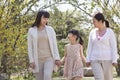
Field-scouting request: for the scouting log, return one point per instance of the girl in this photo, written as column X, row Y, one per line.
column 73, row 56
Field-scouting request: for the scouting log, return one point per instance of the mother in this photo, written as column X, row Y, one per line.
column 102, row 49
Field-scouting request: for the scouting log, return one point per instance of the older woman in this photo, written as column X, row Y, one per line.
column 102, row 49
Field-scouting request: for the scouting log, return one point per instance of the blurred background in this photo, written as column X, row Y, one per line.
column 17, row 16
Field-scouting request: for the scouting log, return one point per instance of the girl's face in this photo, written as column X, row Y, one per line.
column 44, row 21
column 71, row 37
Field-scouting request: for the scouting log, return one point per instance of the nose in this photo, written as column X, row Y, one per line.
column 46, row 19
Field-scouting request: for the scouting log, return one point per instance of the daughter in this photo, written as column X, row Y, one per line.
column 73, row 57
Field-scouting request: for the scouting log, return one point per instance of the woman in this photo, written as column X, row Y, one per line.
column 102, row 49
column 42, row 47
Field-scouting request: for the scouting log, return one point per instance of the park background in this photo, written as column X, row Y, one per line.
column 17, row 16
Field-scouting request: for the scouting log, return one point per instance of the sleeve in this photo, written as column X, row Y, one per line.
column 89, row 48
column 113, row 46
column 55, row 47
column 30, row 46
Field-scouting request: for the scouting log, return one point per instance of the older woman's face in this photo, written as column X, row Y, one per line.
column 95, row 22
column 44, row 21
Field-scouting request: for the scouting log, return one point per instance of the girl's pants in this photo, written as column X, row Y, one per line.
column 46, row 70
column 102, row 70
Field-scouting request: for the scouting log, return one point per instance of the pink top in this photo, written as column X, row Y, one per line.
column 73, row 64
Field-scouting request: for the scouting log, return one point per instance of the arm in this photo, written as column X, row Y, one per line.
column 55, row 46
column 30, row 50
column 113, row 45
column 89, row 50
column 65, row 53
column 30, row 46
column 81, row 54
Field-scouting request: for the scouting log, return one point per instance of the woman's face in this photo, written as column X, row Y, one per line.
column 96, row 22
column 44, row 21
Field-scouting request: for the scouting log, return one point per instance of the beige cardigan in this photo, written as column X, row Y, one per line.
column 32, row 45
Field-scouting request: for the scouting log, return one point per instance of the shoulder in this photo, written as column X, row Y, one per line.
column 93, row 31
column 51, row 30
column 67, row 45
column 80, row 46
column 109, row 29
column 31, row 29
column 49, row 27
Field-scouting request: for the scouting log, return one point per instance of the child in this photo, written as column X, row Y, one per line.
column 73, row 56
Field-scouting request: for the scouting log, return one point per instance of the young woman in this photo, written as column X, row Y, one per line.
column 102, row 49
column 73, row 57
column 42, row 47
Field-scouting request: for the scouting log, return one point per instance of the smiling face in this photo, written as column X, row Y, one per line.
column 44, row 21
column 71, row 37
column 98, row 20
column 95, row 22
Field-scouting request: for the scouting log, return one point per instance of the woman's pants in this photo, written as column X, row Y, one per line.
column 45, row 70
column 102, row 70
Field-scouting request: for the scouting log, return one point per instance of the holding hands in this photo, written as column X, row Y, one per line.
column 88, row 64
column 58, row 63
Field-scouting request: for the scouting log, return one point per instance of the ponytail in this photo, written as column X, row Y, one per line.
column 107, row 24
column 80, row 40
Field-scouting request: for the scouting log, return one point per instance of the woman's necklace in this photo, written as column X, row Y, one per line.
column 100, row 33
column 41, row 28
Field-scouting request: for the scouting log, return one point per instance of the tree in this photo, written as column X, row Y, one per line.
column 14, row 21
column 15, row 18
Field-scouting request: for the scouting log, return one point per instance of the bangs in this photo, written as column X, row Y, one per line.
column 46, row 14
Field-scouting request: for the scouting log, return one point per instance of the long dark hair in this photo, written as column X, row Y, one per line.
column 76, row 32
column 38, row 17
column 100, row 17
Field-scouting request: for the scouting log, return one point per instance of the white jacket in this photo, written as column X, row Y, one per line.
column 32, row 45
column 103, row 49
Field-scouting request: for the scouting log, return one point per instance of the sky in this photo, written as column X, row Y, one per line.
column 65, row 7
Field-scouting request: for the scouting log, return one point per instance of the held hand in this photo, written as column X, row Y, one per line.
column 57, row 62
column 88, row 64
column 61, row 62
column 32, row 65
column 114, row 64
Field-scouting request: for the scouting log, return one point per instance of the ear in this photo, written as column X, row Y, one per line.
column 100, row 21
